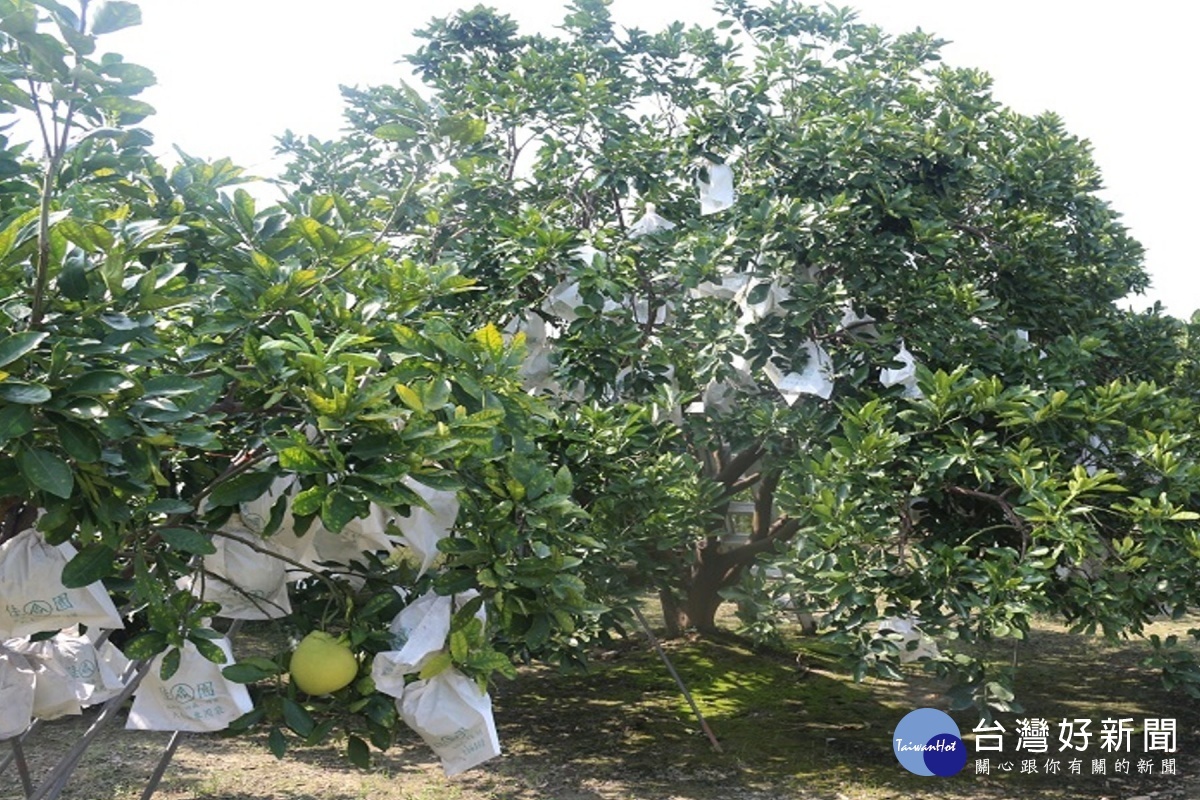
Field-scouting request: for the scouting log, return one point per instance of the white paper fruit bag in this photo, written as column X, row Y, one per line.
column 71, row 672
column 17, row 680
column 454, row 718
column 423, row 528
column 32, row 595
column 418, row 632
column 197, row 698
column 248, row 583
column 716, row 194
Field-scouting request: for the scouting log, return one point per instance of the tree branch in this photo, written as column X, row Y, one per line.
column 782, row 530
column 997, row 500
column 734, row 467
column 764, row 506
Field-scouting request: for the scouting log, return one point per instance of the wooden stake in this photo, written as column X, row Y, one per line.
column 678, row 681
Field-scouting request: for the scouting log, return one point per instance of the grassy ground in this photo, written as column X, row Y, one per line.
column 790, row 728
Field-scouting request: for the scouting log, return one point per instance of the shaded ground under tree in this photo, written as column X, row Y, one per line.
column 792, row 727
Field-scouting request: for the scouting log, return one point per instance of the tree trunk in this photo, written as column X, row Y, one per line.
column 694, row 599
column 693, row 605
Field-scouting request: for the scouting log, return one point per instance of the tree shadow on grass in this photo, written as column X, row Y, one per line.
column 804, row 729
column 625, row 730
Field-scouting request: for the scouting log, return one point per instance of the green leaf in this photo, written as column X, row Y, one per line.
column 436, row 666
column 301, row 460
column 19, row 22
column 209, row 649
column 147, row 645
column 188, row 540
column 459, row 646
column 277, row 742
column 89, row 565
column 243, row 209
column 46, row 471
column 169, row 505
column 395, row 132
column 18, row 231
column 297, row 718
column 242, row 489
column 462, row 128
column 247, row 721
column 321, row 237
column 170, row 386
column 119, row 104
column 131, row 76
column 29, row 394
column 358, row 752
column 758, row 293
column 112, row 272
column 350, row 249
column 79, row 442
column 251, row 670
column 88, row 235
column 17, row 345
column 101, row 382
column 309, row 501
column 11, row 93
column 320, row 733
column 337, row 510
column 170, row 664
column 491, row 339
column 410, row 398
column 539, row 632
column 115, row 15
column 15, row 422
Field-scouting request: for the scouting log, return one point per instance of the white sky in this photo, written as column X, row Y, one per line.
column 233, row 74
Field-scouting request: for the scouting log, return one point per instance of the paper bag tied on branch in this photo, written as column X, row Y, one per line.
column 33, row 598
column 197, row 698
column 454, row 717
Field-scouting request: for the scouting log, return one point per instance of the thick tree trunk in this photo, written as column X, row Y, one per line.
column 693, row 601
column 694, row 604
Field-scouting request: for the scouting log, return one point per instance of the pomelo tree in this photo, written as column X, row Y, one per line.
column 173, row 350
column 798, row 269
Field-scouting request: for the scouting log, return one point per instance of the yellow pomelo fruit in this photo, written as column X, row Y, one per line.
column 322, row 664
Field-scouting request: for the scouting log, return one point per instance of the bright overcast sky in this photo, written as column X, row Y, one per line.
column 233, row 74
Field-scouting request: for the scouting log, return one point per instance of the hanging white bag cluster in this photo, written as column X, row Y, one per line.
column 318, row 546
column 197, row 698
column 71, row 672
column 449, row 711
column 33, row 598
column 58, row 676
column 249, row 572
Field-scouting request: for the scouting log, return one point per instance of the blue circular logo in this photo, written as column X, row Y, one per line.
column 927, row 742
